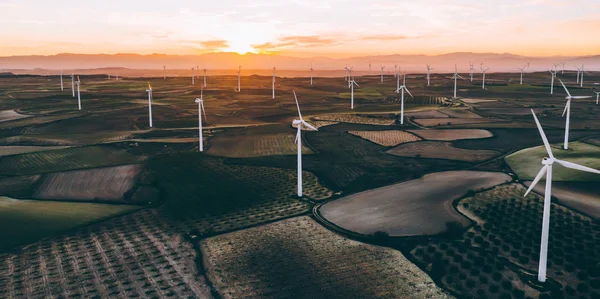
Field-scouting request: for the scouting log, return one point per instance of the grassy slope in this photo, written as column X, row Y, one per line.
column 526, row 163
column 31, row 220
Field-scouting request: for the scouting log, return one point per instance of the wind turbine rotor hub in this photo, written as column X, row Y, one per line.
column 198, row 101
column 548, row 161
column 297, row 122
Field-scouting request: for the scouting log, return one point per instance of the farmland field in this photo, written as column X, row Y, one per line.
column 413, row 208
column 255, row 145
column 15, row 150
column 386, row 138
column 31, row 220
column 427, row 114
column 110, row 183
column 299, row 258
column 459, row 113
column 476, row 101
column 384, row 120
column 65, row 159
column 451, row 135
column 8, row 115
column 579, row 196
column 527, row 163
column 432, row 122
column 440, row 150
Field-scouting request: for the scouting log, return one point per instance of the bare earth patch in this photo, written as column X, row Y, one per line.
column 244, row 146
column 356, row 119
column 475, row 101
column 583, row 197
column 451, row 135
column 459, row 113
column 317, row 124
column 441, row 150
column 386, row 138
column 427, row 114
column 432, row 122
column 8, row 115
column 109, row 183
column 418, row 207
column 299, row 258
column 15, row 150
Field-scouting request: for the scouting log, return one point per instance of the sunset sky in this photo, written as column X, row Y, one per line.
column 334, row 28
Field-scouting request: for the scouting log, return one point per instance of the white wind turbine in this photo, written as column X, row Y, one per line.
column 567, row 111
column 62, row 86
column 352, row 83
column 456, row 77
column 73, row 84
column 117, row 77
column 204, row 78
column 578, row 71
column 193, row 82
column 78, row 93
column 200, row 102
column 548, row 162
column 149, row 90
column 402, row 88
column 164, row 72
column 397, row 83
column 483, row 71
column 471, row 69
column 395, row 70
column 350, row 75
column 581, row 79
column 346, row 73
column 553, row 72
column 522, row 70
column 239, row 78
column 299, row 122
column 562, row 70
column 273, row 83
column 428, row 70
column 597, row 96
column 311, row 74
column 382, row 67
column 369, row 66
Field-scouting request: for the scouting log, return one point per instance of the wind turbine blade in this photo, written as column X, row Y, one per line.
column 571, row 165
column 297, row 105
column 297, row 135
column 355, row 83
column 459, row 76
column 408, row 92
column 566, row 107
column 538, row 177
column 203, row 110
column 309, row 126
column 581, row 97
column 546, row 144
column 563, row 85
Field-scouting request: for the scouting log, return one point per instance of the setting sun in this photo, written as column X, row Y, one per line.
column 240, row 48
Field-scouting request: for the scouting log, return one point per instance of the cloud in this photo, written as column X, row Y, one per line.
column 310, row 41
column 214, row 44
column 386, row 37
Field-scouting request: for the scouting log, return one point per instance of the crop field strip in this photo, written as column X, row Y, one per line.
column 16, row 149
column 306, row 260
column 487, row 260
column 441, row 150
column 358, row 119
column 452, row 134
column 138, row 255
column 386, row 138
column 255, row 145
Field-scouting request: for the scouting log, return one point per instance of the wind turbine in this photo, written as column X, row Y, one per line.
column 345, row 73
column 350, row 77
column 239, row 78
column 78, row 93
column 311, row 76
column 204, row 78
column 548, row 162
column 73, row 84
column 165, row 72
column 62, row 86
column 108, row 76
column 455, row 77
column 369, row 66
column 352, row 83
column 578, row 71
column 149, row 90
column 397, row 83
column 597, row 96
column 471, row 69
column 201, row 110
column 567, row 111
column 483, row 71
column 581, row 79
column 299, row 122
column 562, row 70
column 273, row 83
column 117, row 77
column 553, row 72
column 522, row 69
column 402, row 88
column 395, row 70
column 428, row 69
column 193, row 82
column 382, row 67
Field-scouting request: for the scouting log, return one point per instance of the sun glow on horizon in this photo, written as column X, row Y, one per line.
column 240, row 48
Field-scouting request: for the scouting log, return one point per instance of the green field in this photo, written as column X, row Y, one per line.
column 66, row 159
column 527, row 163
column 25, row 221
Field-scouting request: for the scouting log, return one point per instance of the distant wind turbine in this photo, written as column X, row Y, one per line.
column 395, row 70
column 239, row 78
column 369, row 66
column 204, row 78
column 149, row 90
column 78, row 93
column 471, row 69
column 193, row 82
column 62, row 86
column 553, row 72
column 456, row 77
column 548, row 162
column 108, row 76
column 73, row 84
column 165, row 72
column 382, row 67
column 311, row 75
column 522, row 69
column 597, row 96
column 562, row 70
column 346, row 73
column 483, row 71
column 567, row 111
column 352, row 83
column 402, row 88
column 299, row 123
column 578, row 71
column 200, row 102
column 428, row 76
column 581, row 79
column 273, row 83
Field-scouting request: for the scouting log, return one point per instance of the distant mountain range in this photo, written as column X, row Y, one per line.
column 229, row 61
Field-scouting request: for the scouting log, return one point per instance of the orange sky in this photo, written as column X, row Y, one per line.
column 334, row 28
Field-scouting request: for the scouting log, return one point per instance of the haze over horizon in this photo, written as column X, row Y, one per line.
column 294, row 28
